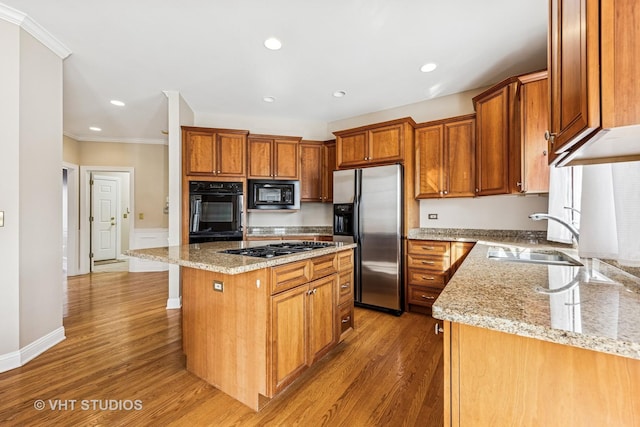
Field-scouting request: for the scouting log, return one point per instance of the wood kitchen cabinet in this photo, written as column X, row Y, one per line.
column 445, row 158
column 273, row 157
column 304, row 313
column 317, row 163
column 496, row 378
column 430, row 265
column 593, row 75
column 214, row 152
column 511, row 153
column 344, row 292
column 378, row 144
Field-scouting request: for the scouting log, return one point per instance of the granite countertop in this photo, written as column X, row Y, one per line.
column 207, row 256
column 595, row 306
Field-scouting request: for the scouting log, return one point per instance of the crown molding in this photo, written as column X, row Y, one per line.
column 151, row 141
column 36, row 30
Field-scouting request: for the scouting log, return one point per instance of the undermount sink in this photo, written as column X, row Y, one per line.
column 499, row 253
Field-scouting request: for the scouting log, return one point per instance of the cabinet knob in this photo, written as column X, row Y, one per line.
column 446, row 192
column 477, row 190
column 438, row 329
column 551, row 137
column 346, row 319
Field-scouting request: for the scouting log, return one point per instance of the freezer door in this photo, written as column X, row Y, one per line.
column 380, row 209
column 344, row 186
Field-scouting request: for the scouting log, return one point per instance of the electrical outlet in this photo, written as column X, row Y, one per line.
column 218, row 286
column 433, row 216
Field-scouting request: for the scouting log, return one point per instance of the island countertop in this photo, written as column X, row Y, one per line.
column 208, row 256
column 598, row 307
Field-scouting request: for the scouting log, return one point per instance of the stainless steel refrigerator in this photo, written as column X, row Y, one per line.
column 367, row 210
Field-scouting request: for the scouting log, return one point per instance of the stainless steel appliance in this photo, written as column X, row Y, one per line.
column 215, row 211
column 274, row 194
column 277, row 249
column 367, row 210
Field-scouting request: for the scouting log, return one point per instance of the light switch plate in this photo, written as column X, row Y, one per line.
column 1, row 218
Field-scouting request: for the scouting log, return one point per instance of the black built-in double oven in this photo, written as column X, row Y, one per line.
column 215, row 212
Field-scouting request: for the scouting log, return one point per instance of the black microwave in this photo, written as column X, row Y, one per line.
column 274, row 194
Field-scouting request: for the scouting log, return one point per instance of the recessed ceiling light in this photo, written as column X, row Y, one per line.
column 95, row 128
column 272, row 43
column 269, row 99
column 339, row 93
column 117, row 103
column 428, row 67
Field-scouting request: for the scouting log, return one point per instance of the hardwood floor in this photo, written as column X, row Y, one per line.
column 122, row 364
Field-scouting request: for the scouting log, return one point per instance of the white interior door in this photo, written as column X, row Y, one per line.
column 104, row 229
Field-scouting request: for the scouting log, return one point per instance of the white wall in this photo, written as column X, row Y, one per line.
column 487, row 212
column 40, row 190
column 310, row 214
column 9, row 190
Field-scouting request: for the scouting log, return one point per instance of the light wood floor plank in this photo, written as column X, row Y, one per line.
column 122, row 345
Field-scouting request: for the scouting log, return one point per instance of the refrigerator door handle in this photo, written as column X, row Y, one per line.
column 356, row 207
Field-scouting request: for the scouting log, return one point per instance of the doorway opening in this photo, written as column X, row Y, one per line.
column 105, row 211
column 70, row 220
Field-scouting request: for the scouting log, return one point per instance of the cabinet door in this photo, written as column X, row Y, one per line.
column 322, row 332
column 351, row 150
column 328, row 166
column 285, row 159
column 231, row 152
column 533, row 164
column 459, row 160
column 199, row 153
column 573, row 72
column 429, row 161
column 260, row 158
column 289, row 336
column 386, row 144
column 311, row 172
column 492, row 144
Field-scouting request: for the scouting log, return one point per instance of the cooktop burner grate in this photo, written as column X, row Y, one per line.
column 278, row 249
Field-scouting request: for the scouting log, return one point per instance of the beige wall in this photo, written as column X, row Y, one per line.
column 150, row 163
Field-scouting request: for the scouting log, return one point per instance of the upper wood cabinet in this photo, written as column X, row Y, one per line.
column 317, row 163
column 445, row 158
column 311, row 171
column 273, row 157
column 511, row 152
column 378, row 144
column 593, row 75
column 214, row 152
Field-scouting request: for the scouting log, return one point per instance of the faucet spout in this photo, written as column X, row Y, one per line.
column 540, row 216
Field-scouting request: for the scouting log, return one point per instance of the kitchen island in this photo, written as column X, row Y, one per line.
column 252, row 325
column 539, row 344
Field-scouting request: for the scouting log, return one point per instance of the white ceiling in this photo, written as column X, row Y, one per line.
column 212, row 52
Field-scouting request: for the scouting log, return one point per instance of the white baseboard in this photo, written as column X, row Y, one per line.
column 18, row 358
column 174, row 303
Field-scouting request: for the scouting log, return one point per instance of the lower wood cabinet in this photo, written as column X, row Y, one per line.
column 345, row 321
column 498, row 379
column 303, row 328
column 430, row 265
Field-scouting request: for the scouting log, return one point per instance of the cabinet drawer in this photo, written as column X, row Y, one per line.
column 428, row 247
column 429, row 263
column 345, row 287
column 345, row 260
column 289, row 276
column 323, row 266
column 345, row 318
column 421, row 295
column 427, row 278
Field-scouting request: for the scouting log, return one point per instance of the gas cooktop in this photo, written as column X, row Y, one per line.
column 278, row 249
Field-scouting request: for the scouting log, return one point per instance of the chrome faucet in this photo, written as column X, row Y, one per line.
column 571, row 228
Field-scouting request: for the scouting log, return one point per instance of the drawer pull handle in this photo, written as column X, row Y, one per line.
column 346, row 319
column 345, row 286
column 427, row 297
column 428, row 278
column 428, row 248
column 429, row 262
